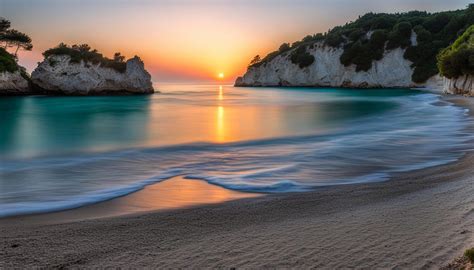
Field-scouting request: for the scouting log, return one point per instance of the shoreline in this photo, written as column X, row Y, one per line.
column 418, row 219
column 421, row 218
column 174, row 193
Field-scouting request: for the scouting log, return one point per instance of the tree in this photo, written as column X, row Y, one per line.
column 284, row 47
column 17, row 39
column 4, row 25
column 255, row 60
column 458, row 59
column 82, row 48
column 118, row 57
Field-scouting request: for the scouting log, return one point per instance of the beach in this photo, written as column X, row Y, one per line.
column 418, row 219
column 236, row 135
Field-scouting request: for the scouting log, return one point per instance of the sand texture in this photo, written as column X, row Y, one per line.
column 421, row 219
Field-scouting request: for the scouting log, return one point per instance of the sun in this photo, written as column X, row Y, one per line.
column 220, row 75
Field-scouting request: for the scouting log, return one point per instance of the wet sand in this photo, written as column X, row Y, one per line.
column 420, row 219
column 173, row 193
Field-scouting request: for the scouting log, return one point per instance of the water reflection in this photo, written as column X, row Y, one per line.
column 40, row 126
column 221, row 93
column 220, row 125
column 282, row 140
column 37, row 126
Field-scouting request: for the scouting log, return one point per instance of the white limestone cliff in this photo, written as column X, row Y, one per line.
column 13, row 83
column 463, row 85
column 392, row 71
column 57, row 75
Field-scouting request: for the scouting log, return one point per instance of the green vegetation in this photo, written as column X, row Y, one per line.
column 11, row 38
column 84, row 53
column 458, row 59
column 370, row 36
column 470, row 254
column 301, row 57
column 7, row 62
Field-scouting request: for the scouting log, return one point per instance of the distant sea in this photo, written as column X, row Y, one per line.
column 63, row 152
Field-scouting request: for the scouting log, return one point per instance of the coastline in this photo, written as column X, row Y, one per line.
column 417, row 219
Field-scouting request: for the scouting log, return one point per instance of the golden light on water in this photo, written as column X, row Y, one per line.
column 220, row 125
column 221, row 93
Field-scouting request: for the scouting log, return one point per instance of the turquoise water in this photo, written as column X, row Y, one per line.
column 64, row 152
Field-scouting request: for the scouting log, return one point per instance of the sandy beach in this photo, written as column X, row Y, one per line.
column 420, row 219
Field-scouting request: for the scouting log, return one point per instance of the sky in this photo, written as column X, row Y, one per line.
column 189, row 40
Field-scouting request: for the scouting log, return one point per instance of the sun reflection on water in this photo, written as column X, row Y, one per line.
column 220, row 125
column 221, row 93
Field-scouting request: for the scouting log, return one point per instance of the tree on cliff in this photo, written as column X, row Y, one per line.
column 13, row 38
column 118, row 57
column 255, row 60
column 458, row 59
column 84, row 53
column 18, row 40
column 10, row 38
column 4, row 25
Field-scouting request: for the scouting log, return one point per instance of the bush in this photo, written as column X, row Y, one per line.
column 458, row 59
column 470, row 254
column 7, row 62
column 334, row 40
column 301, row 57
column 83, row 52
column 422, row 35
column 284, row 47
column 399, row 37
column 363, row 53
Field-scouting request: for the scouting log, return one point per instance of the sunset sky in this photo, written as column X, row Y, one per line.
column 189, row 40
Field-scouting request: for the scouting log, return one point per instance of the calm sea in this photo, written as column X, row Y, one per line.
column 64, row 152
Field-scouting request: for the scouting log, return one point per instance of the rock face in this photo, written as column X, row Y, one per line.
column 463, row 85
column 13, row 84
column 57, row 75
column 393, row 70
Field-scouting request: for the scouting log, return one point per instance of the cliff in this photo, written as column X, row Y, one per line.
column 393, row 70
column 463, row 85
column 456, row 64
column 376, row 50
column 13, row 83
column 57, row 74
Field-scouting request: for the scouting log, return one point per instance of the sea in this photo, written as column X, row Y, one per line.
column 60, row 153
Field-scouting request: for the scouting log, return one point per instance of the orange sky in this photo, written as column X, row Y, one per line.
column 188, row 40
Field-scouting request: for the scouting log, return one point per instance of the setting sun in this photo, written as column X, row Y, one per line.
column 221, row 75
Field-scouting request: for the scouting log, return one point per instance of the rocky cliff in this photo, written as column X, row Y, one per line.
column 463, row 85
column 393, row 70
column 58, row 75
column 13, row 83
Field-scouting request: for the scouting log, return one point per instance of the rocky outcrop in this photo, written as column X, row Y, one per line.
column 12, row 84
column 393, row 71
column 57, row 75
column 463, row 85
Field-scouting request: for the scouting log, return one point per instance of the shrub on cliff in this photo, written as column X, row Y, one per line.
column 301, row 57
column 7, row 62
column 83, row 52
column 458, row 59
column 363, row 52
